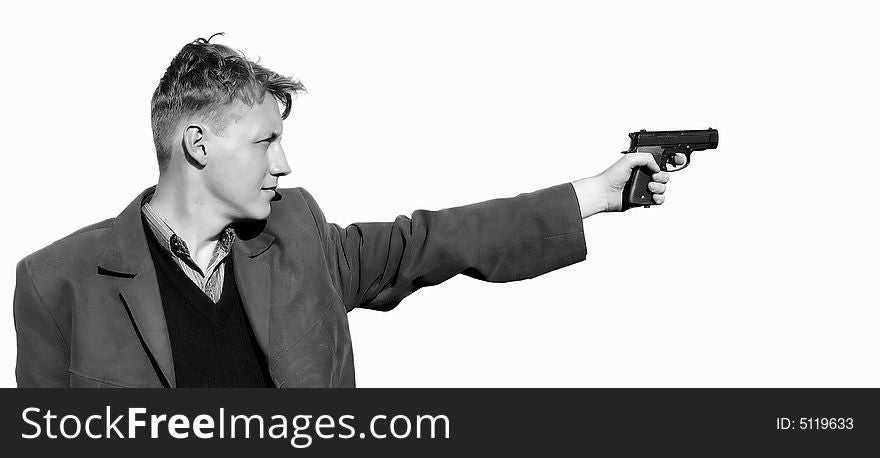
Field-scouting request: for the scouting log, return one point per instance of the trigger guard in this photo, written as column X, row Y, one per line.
column 671, row 161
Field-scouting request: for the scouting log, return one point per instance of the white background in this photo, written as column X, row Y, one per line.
column 759, row 270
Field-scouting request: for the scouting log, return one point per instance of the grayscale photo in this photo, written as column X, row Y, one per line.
column 438, row 195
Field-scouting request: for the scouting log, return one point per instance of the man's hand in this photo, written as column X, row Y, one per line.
column 604, row 192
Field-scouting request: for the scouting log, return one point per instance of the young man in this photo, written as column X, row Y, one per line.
column 217, row 277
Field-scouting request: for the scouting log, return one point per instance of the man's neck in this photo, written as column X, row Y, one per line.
column 191, row 218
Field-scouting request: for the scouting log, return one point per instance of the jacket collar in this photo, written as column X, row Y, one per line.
column 127, row 246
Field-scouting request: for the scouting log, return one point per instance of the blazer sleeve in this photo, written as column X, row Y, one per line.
column 376, row 265
column 42, row 359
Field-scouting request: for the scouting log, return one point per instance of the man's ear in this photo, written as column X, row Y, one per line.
column 194, row 145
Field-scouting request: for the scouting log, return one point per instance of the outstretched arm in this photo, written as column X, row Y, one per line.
column 376, row 265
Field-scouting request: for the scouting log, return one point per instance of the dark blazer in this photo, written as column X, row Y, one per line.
column 88, row 311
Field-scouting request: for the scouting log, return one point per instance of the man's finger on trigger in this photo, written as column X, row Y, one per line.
column 660, row 177
column 679, row 159
column 659, row 198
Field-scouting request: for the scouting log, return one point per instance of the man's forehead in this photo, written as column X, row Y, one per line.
column 260, row 118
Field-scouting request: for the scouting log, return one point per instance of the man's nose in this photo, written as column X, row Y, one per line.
column 278, row 165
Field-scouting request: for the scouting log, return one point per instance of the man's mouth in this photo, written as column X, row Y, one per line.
column 276, row 195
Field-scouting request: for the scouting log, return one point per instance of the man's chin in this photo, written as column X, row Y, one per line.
column 255, row 215
column 261, row 216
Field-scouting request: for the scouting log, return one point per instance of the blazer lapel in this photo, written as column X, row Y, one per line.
column 127, row 257
column 254, row 281
column 144, row 301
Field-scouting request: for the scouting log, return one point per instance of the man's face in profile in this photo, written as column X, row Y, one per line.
column 244, row 163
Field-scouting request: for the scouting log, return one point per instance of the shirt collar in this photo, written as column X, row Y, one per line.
column 175, row 245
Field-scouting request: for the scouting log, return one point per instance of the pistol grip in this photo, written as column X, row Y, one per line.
column 636, row 191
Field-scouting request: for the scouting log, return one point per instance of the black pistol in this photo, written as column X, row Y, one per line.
column 664, row 146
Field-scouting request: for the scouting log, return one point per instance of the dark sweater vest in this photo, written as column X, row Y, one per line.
column 212, row 345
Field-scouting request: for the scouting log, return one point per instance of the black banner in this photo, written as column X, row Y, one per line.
column 403, row 422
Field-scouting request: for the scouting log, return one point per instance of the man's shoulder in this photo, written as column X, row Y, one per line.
column 291, row 196
column 79, row 248
column 296, row 208
column 294, row 202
